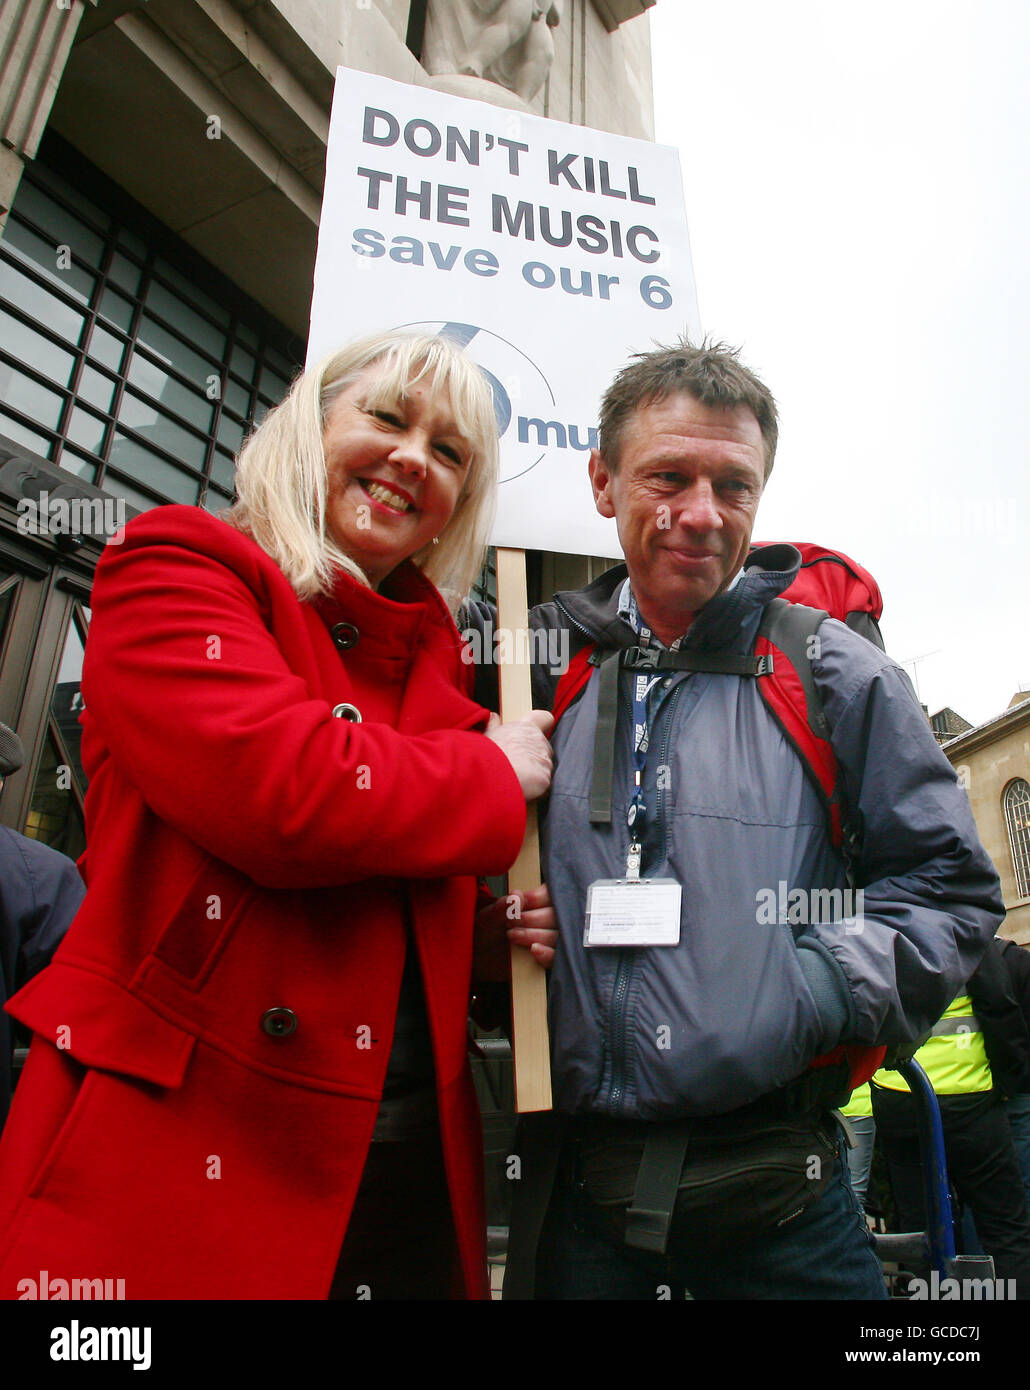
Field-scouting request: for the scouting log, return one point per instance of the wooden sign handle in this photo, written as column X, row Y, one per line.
column 530, row 1042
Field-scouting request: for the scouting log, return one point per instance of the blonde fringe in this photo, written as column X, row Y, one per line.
column 281, row 479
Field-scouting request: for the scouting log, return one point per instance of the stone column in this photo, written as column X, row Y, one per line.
column 35, row 40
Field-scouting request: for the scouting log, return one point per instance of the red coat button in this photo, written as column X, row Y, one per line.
column 279, row 1023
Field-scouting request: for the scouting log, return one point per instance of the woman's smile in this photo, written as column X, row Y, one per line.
column 395, row 472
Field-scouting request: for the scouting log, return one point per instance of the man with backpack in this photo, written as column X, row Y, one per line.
column 763, row 871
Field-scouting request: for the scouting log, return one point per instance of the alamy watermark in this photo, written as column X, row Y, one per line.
column 47, row 515
column 47, row 1287
column 950, row 1289
column 518, row 646
column 803, row 906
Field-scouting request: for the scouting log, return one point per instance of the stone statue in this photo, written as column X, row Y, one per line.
column 504, row 41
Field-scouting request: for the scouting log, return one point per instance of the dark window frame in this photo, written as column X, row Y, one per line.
column 241, row 323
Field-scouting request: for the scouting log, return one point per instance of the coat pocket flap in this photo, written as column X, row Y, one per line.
column 101, row 1024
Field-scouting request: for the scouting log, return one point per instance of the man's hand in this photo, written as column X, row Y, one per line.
column 525, row 918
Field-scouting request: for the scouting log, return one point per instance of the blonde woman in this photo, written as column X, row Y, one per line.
column 249, row 1076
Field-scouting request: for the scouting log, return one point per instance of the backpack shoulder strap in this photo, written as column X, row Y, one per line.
column 788, row 632
column 573, row 680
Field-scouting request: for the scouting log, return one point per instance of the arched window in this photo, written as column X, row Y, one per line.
column 1016, row 805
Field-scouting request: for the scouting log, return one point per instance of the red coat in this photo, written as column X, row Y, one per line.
column 248, row 852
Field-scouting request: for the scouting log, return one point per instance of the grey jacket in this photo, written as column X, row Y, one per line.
column 751, row 994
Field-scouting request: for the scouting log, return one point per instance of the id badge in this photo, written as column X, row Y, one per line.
column 633, row 912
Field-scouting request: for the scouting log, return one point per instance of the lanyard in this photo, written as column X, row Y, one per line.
column 644, row 712
column 643, row 685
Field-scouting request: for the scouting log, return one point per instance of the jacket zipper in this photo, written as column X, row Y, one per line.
column 624, row 973
column 617, row 1032
column 575, row 621
column 627, row 963
column 664, row 762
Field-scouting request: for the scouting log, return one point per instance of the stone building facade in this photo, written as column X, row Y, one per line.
column 993, row 763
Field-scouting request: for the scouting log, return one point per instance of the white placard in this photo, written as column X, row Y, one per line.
column 552, row 251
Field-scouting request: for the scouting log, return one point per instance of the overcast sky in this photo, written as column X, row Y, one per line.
column 856, row 191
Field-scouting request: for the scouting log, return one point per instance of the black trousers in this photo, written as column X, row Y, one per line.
column 982, row 1166
column 400, row 1241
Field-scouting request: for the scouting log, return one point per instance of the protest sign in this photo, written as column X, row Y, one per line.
column 552, row 251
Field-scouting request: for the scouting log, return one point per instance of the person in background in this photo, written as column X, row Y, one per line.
column 40, row 892
column 859, row 1113
column 258, row 1017
column 978, row 1053
column 1017, row 1105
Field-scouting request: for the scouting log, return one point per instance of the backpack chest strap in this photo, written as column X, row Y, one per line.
column 715, row 663
column 646, row 659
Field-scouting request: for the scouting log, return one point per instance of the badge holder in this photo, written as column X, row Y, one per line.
column 633, row 911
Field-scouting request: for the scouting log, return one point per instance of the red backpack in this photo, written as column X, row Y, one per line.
column 829, row 584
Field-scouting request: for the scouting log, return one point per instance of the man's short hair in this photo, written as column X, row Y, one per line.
column 712, row 373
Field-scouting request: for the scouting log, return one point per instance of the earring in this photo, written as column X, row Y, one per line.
column 436, row 540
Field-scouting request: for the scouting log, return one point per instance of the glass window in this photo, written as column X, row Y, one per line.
column 6, row 604
column 243, row 363
column 236, row 398
column 55, row 817
column 96, row 388
column 272, row 385
column 35, row 301
column 66, row 705
column 187, row 288
column 135, row 459
column 125, row 273
column 195, row 408
column 119, row 487
column 172, row 351
column 86, row 430
column 32, row 248
column 1016, row 806
column 59, row 187
column 279, row 364
column 21, row 393
column 157, row 426
column 29, row 346
column 65, row 228
column 181, row 317
column 117, row 308
column 216, row 503
column 131, row 242
column 230, row 434
column 105, row 348
column 223, row 470
column 21, row 434
column 72, row 462
column 79, row 283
